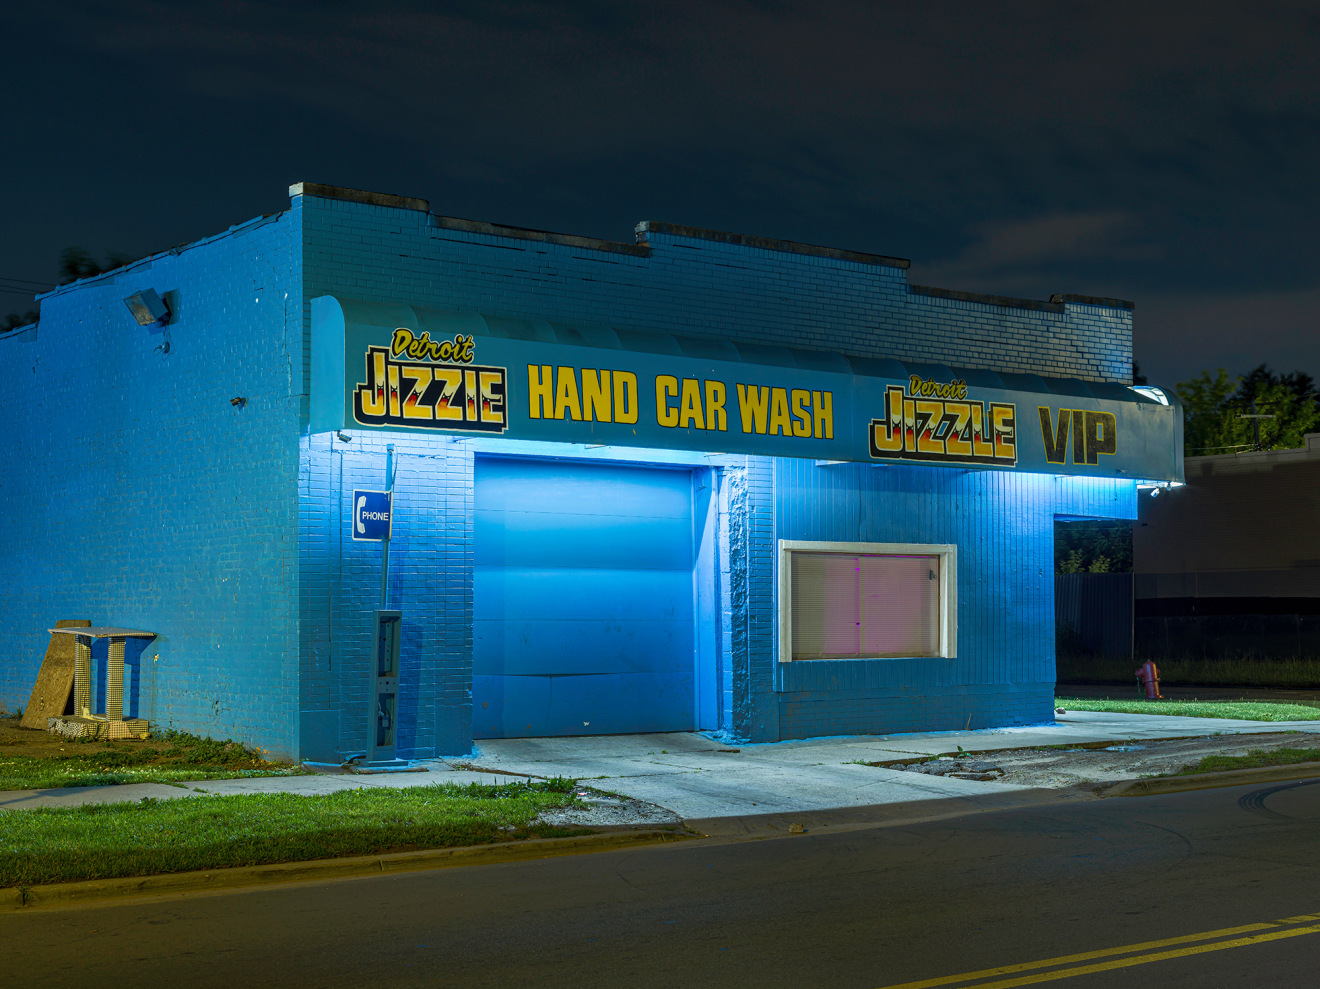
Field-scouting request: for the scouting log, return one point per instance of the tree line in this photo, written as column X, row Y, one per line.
column 75, row 263
column 1259, row 410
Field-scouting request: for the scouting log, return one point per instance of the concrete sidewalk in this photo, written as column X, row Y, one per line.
column 699, row 778
column 696, row 777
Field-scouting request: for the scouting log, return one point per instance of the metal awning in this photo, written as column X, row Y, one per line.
column 398, row 367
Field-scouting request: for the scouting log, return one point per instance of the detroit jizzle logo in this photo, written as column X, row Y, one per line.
column 935, row 422
column 439, row 388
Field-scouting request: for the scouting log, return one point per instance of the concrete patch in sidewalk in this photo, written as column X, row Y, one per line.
column 78, row 796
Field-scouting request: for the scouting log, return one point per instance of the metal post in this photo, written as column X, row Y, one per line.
column 382, row 708
column 114, row 680
column 385, row 543
column 82, row 676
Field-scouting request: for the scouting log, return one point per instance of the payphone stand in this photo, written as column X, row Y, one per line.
column 383, row 677
column 383, row 714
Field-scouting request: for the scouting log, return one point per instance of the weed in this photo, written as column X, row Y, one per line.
column 1254, row 759
column 558, row 784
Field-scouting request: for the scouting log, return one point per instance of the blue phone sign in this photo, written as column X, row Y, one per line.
column 372, row 511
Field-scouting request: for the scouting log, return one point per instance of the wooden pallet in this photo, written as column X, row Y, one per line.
column 50, row 694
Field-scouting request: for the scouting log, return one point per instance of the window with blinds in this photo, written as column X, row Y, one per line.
column 860, row 606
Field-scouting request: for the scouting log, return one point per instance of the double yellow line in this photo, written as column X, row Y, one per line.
column 1137, row 954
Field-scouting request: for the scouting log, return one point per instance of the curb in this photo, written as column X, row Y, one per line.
column 1206, row 781
column 15, row 898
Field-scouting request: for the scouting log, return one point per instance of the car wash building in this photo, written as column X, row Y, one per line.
column 379, row 480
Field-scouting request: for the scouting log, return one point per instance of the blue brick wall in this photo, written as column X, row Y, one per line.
column 698, row 286
column 138, row 496
column 693, row 285
column 1002, row 524
column 430, row 581
column 156, row 503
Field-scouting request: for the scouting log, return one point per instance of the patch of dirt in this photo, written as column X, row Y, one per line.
column 171, row 750
column 1093, row 765
column 45, row 745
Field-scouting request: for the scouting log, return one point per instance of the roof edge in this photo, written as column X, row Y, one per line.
column 647, row 227
column 543, row 236
column 1094, row 300
column 990, row 300
column 358, row 196
column 178, row 249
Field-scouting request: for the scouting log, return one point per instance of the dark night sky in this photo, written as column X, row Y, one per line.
column 1164, row 153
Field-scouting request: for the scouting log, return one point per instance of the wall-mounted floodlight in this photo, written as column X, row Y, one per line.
column 238, row 402
column 1150, row 391
column 148, row 308
column 1156, row 487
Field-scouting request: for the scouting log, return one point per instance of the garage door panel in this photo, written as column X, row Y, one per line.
column 563, row 648
column 583, row 595
column 582, row 539
column 524, row 486
column 529, row 706
column 582, row 599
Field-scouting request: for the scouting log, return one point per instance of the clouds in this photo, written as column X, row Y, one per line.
column 1022, row 253
column 1178, row 333
column 575, row 76
column 1140, row 150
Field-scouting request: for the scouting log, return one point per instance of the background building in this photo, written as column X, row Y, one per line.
column 701, row 480
column 1229, row 566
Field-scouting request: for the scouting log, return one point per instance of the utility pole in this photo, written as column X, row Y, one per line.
column 1255, row 418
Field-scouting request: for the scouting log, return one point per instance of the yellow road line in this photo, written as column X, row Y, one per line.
column 1159, row 956
column 1140, row 959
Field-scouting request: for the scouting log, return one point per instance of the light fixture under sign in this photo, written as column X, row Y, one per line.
column 148, row 308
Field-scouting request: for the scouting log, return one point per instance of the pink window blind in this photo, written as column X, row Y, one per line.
column 848, row 606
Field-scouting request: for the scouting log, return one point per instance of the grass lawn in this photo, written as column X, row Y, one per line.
column 1239, row 672
column 1254, row 759
column 1247, row 710
column 52, row 845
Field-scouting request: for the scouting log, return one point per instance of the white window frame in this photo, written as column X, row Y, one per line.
column 948, row 590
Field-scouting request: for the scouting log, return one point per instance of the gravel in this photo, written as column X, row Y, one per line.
column 1101, row 764
column 610, row 810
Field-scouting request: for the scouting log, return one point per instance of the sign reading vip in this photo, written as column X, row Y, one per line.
column 371, row 515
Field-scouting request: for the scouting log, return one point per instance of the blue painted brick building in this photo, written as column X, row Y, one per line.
column 701, row 480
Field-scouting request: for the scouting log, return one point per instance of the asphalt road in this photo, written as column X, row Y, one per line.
column 1225, row 882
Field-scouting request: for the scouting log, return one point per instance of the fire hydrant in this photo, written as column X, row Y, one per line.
column 1149, row 675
